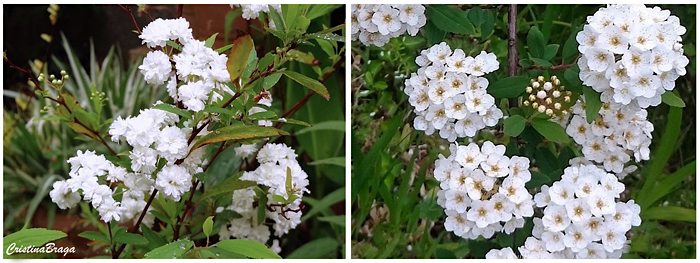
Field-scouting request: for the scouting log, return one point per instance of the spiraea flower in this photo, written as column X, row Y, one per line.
column 252, row 11
column 482, row 190
column 277, row 165
column 631, row 53
column 448, row 92
column 376, row 24
column 582, row 218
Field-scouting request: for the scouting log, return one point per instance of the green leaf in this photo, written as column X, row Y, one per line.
column 326, row 125
column 449, row 19
column 433, row 34
column 238, row 133
column 170, row 108
column 672, row 99
column 131, row 239
column 669, row 213
column 228, row 186
column 572, row 81
column 207, row 225
column 550, row 130
column 328, row 200
column 170, row 251
column 271, row 80
column 514, row 125
column 223, row 49
column 309, row 83
column 570, row 47
column 248, row 248
column 509, row 87
column 339, row 161
column 261, row 208
column 537, row 179
column 593, row 104
column 95, row 236
column 174, row 45
column 154, row 239
column 210, row 41
column 238, row 56
column 263, row 115
column 317, row 248
column 536, row 42
column 489, row 23
column 293, row 121
column 279, row 22
column 319, row 10
column 666, row 185
column 329, row 36
column 550, row 51
column 338, row 220
column 31, row 237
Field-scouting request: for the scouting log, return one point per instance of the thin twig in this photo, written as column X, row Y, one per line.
column 127, row 9
column 512, row 40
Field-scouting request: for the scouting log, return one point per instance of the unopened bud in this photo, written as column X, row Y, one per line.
column 553, row 78
column 528, row 89
column 541, row 94
column 66, row 77
column 548, row 101
column 540, row 79
column 547, row 86
column 52, row 77
column 556, row 94
column 535, row 105
column 567, row 99
column 557, row 106
column 541, row 108
column 556, row 82
column 532, row 97
column 549, row 112
column 536, row 85
column 55, row 82
column 40, row 78
column 59, row 82
column 63, row 73
column 526, row 103
column 564, row 112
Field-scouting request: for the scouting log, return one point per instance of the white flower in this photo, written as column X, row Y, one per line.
column 245, row 150
column 555, row 218
column 376, row 24
column 158, row 32
column 387, row 20
column 173, row 181
column 156, row 67
column 110, row 210
column 554, row 241
column 504, row 253
column 63, row 196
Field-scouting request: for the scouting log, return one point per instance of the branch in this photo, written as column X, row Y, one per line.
column 512, row 40
column 127, row 9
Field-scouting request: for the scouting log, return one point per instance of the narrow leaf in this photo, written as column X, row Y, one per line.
column 238, row 133
column 248, row 248
column 309, row 83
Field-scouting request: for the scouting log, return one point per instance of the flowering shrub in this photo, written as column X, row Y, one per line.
column 548, row 120
column 375, row 24
column 158, row 182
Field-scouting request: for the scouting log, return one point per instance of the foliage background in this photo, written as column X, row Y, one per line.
column 95, row 43
column 395, row 214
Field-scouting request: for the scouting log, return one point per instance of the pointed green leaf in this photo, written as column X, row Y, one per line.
column 238, row 133
column 509, row 87
column 207, row 225
column 248, row 248
column 593, row 104
column 31, row 237
column 514, row 125
column 210, row 41
column 227, row 186
column 449, row 19
column 550, row 130
column 95, row 236
column 172, row 109
column 309, row 83
column 170, row 251
column 672, row 99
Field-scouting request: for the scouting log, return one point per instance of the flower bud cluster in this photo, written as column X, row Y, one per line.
column 548, row 97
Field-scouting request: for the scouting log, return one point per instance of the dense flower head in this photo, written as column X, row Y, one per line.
column 199, row 74
column 160, row 31
column 448, row 92
column 482, row 190
column 582, row 218
column 376, row 24
column 631, row 53
column 277, row 161
column 619, row 133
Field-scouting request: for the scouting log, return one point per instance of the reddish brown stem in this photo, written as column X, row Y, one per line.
column 512, row 40
column 127, row 9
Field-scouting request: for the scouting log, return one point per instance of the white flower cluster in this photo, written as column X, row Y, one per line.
column 252, row 11
column 275, row 161
column 376, row 24
column 482, row 188
column 448, row 92
column 201, row 70
column 632, row 53
column 92, row 175
column 154, row 136
column 621, row 131
column 581, row 217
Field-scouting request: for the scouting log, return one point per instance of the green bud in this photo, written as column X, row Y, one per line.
column 66, row 77
column 40, row 78
column 55, row 82
column 63, row 73
column 52, row 77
